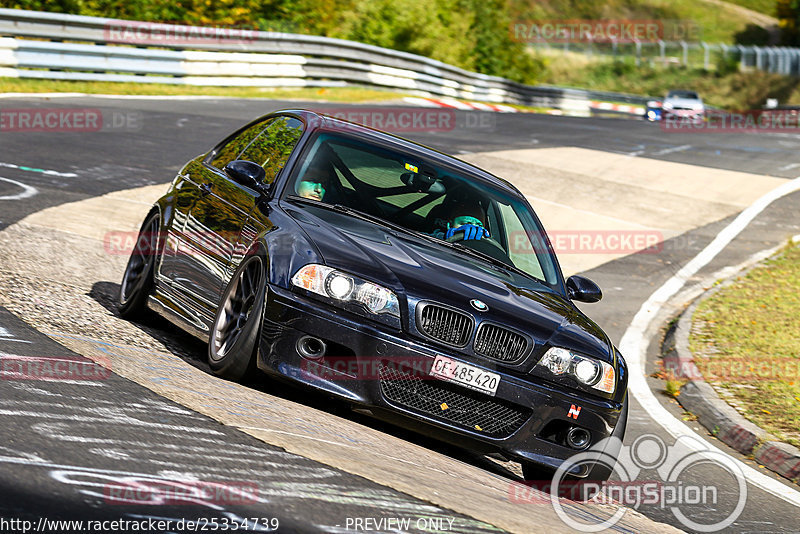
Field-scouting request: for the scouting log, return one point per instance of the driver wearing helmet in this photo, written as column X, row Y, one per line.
column 467, row 217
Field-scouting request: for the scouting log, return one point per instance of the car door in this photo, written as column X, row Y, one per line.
column 186, row 191
column 184, row 234
column 215, row 221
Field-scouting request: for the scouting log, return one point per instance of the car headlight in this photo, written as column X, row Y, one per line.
column 346, row 288
column 588, row 371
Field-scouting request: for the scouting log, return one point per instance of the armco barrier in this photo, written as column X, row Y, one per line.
column 70, row 47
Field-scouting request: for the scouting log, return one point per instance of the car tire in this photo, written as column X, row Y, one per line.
column 233, row 342
column 137, row 282
column 541, row 476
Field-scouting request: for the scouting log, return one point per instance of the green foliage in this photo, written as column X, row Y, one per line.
column 471, row 34
column 753, row 35
column 439, row 30
column 788, row 12
column 726, row 64
column 726, row 88
column 766, row 7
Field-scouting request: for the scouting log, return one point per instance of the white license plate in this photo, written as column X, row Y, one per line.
column 465, row 374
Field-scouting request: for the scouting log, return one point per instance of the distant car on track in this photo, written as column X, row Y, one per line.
column 652, row 111
column 402, row 280
column 683, row 104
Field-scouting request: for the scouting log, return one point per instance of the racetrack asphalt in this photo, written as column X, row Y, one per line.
column 171, row 132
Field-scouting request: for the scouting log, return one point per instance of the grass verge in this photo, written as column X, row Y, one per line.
column 724, row 86
column 745, row 341
column 332, row 94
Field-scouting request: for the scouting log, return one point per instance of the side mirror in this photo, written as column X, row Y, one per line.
column 582, row 289
column 246, row 173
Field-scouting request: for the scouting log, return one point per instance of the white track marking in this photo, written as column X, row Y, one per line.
column 671, row 150
column 41, row 171
column 634, row 342
column 27, row 191
column 5, row 335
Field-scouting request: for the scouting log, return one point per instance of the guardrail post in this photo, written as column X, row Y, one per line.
column 685, row 47
column 662, row 47
column 706, row 62
column 638, row 51
column 725, row 49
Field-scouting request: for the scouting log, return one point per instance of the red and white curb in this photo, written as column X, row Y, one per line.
column 452, row 103
column 622, row 108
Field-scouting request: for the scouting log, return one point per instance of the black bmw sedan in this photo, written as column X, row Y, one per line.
column 407, row 282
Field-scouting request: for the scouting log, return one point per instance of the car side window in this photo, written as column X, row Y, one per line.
column 228, row 152
column 273, row 146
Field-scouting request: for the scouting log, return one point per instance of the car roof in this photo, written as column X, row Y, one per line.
column 320, row 121
column 683, row 93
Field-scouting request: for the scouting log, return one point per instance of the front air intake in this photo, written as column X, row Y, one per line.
column 444, row 324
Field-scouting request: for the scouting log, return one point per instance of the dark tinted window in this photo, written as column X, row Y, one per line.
column 268, row 143
column 272, row 148
column 234, row 147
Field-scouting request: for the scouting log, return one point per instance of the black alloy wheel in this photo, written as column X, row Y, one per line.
column 234, row 335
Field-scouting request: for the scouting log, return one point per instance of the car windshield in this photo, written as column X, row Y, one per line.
column 683, row 94
column 422, row 196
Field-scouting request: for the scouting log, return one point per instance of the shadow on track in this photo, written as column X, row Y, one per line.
column 193, row 351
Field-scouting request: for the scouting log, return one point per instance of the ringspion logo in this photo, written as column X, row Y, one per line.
column 646, row 473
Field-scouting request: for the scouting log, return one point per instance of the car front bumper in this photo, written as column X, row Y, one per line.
column 387, row 371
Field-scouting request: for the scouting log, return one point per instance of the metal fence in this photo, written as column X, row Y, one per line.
column 775, row 59
column 69, row 47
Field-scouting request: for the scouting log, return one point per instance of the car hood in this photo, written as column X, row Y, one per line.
column 690, row 103
column 422, row 270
